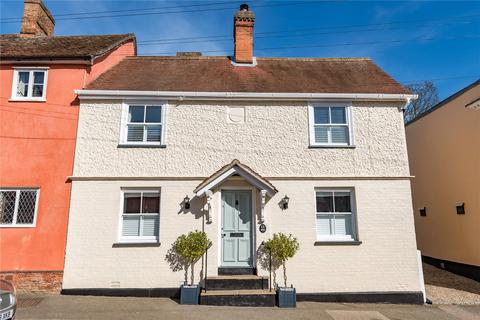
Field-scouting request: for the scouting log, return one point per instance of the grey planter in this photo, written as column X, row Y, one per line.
column 287, row 297
column 189, row 294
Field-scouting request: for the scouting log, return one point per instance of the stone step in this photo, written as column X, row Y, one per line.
column 237, row 271
column 242, row 298
column 238, row 282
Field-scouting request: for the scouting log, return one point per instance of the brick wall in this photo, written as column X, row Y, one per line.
column 37, row 19
column 35, row 281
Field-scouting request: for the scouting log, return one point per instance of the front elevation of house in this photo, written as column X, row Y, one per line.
column 243, row 148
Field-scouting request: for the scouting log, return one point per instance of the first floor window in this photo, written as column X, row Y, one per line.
column 29, row 84
column 334, row 215
column 140, row 216
column 329, row 125
column 18, row 207
column 144, row 124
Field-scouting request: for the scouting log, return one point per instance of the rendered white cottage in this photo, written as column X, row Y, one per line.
column 237, row 135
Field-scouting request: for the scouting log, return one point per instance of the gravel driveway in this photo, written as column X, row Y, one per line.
column 444, row 287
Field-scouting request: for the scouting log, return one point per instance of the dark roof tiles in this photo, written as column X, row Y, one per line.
column 14, row 46
column 218, row 74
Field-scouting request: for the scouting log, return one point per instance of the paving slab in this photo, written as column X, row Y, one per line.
column 56, row 307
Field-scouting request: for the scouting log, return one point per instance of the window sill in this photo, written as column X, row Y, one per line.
column 142, row 146
column 337, row 243
column 326, row 146
column 135, row 244
column 17, row 226
column 27, row 100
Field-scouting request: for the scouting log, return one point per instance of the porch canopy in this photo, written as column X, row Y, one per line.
column 235, row 167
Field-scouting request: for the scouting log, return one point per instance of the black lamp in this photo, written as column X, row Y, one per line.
column 423, row 212
column 285, row 202
column 186, row 202
column 460, row 208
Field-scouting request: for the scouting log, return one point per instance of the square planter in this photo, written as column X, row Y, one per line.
column 287, row 297
column 189, row 294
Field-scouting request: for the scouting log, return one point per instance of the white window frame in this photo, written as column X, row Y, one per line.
column 124, row 123
column 140, row 239
column 311, row 121
column 29, row 96
column 14, row 223
column 335, row 238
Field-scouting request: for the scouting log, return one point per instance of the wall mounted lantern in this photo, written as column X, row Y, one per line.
column 423, row 212
column 186, row 202
column 461, row 208
column 285, row 201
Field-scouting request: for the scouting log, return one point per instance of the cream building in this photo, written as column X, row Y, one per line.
column 255, row 146
column 444, row 152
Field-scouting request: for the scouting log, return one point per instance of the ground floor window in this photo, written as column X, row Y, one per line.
column 18, row 207
column 140, row 216
column 335, row 218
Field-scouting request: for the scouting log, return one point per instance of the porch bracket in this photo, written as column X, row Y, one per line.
column 209, row 195
column 263, row 194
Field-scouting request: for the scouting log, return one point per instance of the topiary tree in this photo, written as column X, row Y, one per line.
column 282, row 248
column 190, row 248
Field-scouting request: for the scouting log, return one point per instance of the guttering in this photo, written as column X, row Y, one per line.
column 255, row 96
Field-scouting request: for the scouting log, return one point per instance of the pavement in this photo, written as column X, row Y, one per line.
column 55, row 307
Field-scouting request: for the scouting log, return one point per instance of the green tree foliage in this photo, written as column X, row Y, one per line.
column 282, row 248
column 190, row 248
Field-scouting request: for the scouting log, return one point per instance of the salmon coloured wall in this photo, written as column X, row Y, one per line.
column 444, row 153
column 37, row 145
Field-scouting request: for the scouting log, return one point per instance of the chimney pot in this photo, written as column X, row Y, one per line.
column 37, row 19
column 243, row 22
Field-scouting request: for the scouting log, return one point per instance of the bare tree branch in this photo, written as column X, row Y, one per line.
column 427, row 98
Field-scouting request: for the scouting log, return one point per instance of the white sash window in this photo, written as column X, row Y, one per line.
column 143, row 124
column 140, row 216
column 335, row 217
column 330, row 124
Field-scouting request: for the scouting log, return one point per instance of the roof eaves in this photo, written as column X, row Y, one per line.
column 445, row 101
column 128, row 37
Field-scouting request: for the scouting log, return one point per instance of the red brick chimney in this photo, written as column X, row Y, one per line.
column 37, row 19
column 243, row 21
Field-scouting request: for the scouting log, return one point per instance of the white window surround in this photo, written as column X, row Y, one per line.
column 124, row 122
column 311, row 120
column 353, row 214
column 29, row 97
column 14, row 223
column 131, row 239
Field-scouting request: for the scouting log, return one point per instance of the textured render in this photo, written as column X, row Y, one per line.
column 273, row 140
column 385, row 261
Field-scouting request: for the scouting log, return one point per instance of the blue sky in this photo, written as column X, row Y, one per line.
column 434, row 40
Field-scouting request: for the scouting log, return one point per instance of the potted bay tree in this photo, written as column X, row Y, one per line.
column 282, row 248
column 189, row 248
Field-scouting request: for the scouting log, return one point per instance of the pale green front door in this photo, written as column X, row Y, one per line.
column 236, row 229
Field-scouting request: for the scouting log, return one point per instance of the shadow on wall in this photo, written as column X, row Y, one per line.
column 196, row 207
column 263, row 261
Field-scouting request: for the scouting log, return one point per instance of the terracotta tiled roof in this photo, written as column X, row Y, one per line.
column 13, row 46
column 217, row 74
